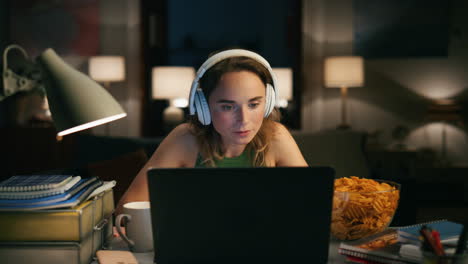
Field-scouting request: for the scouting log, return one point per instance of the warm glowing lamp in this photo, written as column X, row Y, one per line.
column 107, row 69
column 344, row 72
column 445, row 111
column 284, row 78
column 172, row 83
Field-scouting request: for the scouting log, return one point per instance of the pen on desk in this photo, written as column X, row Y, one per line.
column 461, row 245
column 436, row 236
column 424, row 243
column 430, row 242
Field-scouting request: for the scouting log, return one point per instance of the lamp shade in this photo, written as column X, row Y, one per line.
column 284, row 77
column 107, row 68
column 171, row 82
column 345, row 71
column 76, row 102
column 445, row 110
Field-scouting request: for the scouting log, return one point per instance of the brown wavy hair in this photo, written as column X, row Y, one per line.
column 208, row 139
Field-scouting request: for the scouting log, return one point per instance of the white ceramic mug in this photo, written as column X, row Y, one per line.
column 139, row 235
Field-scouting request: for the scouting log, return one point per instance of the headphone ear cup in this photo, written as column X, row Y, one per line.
column 202, row 109
column 270, row 100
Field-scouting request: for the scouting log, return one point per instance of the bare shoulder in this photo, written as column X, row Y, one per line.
column 284, row 148
column 183, row 131
column 280, row 131
column 182, row 136
column 178, row 149
column 281, row 136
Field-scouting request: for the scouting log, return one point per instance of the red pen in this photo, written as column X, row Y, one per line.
column 427, row 235
column 436, row 236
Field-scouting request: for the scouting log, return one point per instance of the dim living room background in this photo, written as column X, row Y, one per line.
column 401, row 125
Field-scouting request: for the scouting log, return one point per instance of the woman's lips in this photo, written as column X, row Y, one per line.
column 243, row 133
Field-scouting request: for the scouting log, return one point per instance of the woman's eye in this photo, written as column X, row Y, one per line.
column 226, row 107
column 254, row 105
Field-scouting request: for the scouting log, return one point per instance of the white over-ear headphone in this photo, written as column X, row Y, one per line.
column 197, row 101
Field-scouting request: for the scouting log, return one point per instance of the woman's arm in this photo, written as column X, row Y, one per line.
column 178, row 149
column 284, row 149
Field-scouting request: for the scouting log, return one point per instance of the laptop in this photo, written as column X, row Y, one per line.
column 241, row 215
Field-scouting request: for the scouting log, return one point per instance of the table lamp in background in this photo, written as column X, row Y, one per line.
column 284, row 77
column 444, row 111
column 76, row 101
column 107, row 69
column 344, row 72
column 172, row 83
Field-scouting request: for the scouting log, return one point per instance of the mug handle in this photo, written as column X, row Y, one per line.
column 118, row 222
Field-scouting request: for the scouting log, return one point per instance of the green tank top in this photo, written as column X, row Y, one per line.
column 243, row 160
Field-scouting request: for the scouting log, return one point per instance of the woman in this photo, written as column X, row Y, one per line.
column 235, row 125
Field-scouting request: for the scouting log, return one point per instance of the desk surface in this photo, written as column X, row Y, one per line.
column 147, row 258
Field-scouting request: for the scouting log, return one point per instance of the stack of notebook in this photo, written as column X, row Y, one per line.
column 35, row 192
column 54, row 218
column 399, row 244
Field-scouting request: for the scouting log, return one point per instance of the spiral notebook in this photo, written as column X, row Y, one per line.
column 397, row 245
column 74, row 200
column 378, row 248
column 32, row 194
column 23, row 183
column 49, row 199
column 449, row 231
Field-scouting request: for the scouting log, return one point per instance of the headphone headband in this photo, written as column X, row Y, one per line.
column 210, row 62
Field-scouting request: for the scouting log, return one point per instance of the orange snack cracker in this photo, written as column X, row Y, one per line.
column 362, row 207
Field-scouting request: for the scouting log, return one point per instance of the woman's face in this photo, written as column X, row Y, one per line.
column 237, row 105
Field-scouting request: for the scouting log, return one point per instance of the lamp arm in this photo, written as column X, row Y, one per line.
column 27, row 78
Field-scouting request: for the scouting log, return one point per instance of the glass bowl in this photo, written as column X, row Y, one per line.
column 362, row 207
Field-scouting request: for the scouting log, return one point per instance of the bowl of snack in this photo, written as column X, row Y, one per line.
column 362, row 207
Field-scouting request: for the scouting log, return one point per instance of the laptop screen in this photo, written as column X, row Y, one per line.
column 241, row 215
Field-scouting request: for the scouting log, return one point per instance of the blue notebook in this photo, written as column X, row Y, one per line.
column 74, row 200
column 24, row 183
column 32, row 194
column 448, row 231
column 49, row 199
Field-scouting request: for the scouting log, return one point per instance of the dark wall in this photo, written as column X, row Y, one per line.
column 4, row 41
column 194, row 29
column 4, row 24
column 197, row 28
